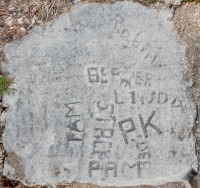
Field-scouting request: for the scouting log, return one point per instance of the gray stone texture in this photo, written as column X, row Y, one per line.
column 172, row 2
column 101, row 98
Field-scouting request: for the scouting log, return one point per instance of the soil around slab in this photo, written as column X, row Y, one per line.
column 187, row 26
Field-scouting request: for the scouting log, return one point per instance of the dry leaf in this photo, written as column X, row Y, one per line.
column 23, row 29
column 8, row 21
column 20, row 21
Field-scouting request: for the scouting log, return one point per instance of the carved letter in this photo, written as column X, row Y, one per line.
column 143, row 155
column 152, row 97
column 93, row 165
column 111, row 166
column 132, row 128
column 71, row 109
column 126, row 164
column 73, row 126
column 141, row 146
column 139, row 79
column 102, row 148
column 146, row 49
column 144, row 126
column 125, row 33
column 102, row 75
column 118, row 19
column 114, row 72
column 135, row 43
column 142, row 99
column 105, row 133
column 72, row 137
column 108, row 133
column 148, row 78
column 126, row 81
column 133, row 97
column 93, row 74
column 164, row 98
column 98, row 132
column 173, row 103
column 116, row 98
column 141, row 165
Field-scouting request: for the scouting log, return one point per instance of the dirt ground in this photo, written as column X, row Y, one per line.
column 18, row 17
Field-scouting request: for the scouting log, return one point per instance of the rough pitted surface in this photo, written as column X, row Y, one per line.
column 101, row 99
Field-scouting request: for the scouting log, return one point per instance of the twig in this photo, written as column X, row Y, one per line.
column 49, row 12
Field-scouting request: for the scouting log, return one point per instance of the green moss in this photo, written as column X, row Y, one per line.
column 190, row 1
column 5, row 82
column 146, row 2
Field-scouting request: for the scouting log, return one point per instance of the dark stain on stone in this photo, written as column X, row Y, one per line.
column 15, row 162
column 189, row 135
column 57, row 172
column 173, row 153
column 65, row 169
column 180, row 137
column 172, row 131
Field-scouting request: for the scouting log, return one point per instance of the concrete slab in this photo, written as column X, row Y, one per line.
column 101, row 98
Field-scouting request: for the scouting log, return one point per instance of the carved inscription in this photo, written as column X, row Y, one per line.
column 105, row 114
column 92, row 74
column 105, row 118
column 114, row 109
column 128, row 82
column 148, row 97
column 105, row 168
column 143, row 163
column 143, row 157
column 148, row 123
column 103, row 134
column 105, row 75
column 73, row 133
column 102, row 144
column 177, row 103
column 73, row 126
column 70, row 113
column 124, row 132
column 132, row 126
column 133, row 42
column 78, row 51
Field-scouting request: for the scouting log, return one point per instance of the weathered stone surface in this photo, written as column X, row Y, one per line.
column 172, row 2
column 101, row 99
